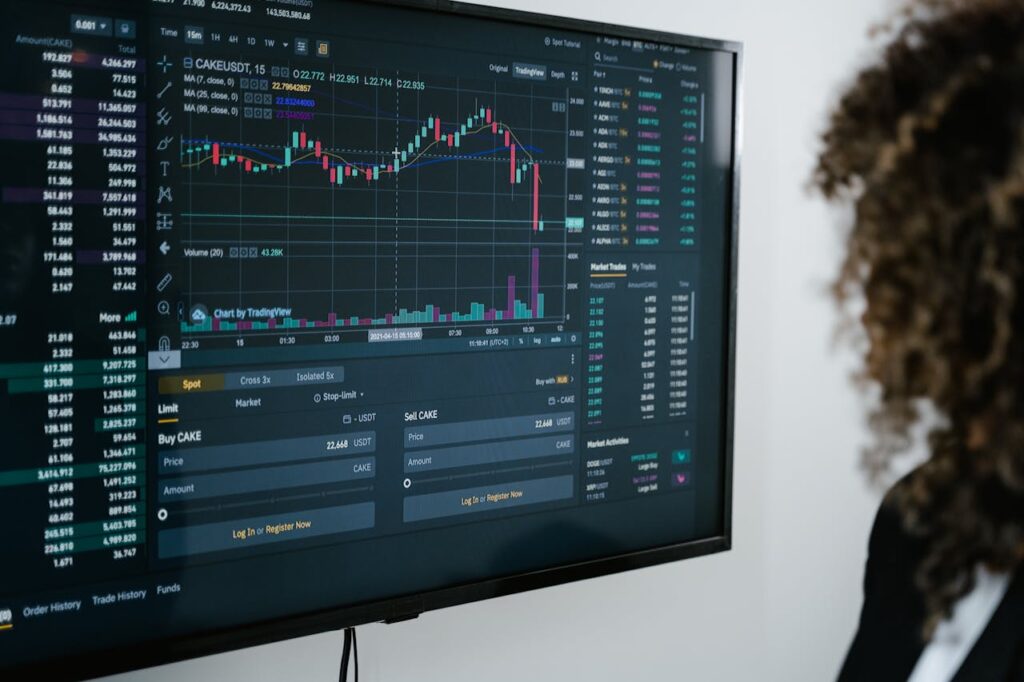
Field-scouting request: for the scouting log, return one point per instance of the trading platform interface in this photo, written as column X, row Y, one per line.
column 308, row 304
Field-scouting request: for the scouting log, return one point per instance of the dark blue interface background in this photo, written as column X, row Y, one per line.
column 311, row 304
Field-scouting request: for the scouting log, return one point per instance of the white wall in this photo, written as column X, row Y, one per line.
column 782, row 605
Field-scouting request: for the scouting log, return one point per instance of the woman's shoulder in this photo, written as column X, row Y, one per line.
column 888, row 639
column 892, row 548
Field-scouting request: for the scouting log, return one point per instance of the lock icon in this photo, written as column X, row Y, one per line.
column 164, row 345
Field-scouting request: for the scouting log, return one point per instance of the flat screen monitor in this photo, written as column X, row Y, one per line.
column 317, row 313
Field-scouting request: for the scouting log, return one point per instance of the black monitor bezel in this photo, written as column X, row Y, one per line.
column 169, row 650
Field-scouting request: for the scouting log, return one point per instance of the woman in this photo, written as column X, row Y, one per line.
column 928, row 146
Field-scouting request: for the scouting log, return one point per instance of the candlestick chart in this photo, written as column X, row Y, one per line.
column 389, row 201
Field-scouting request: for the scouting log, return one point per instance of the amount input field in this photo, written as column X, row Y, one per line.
column 188, row 488
column 487, row 429
column 282, row 451
column 489, row 453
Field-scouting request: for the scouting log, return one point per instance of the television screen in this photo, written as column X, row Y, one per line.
column 316, row 313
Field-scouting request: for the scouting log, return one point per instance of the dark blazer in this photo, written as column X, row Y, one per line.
column 888, row 641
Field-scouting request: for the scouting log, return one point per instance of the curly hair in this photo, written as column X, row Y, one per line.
column 928, row 147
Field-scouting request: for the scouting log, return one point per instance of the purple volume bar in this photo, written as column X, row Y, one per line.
column 511, row 305
column 534, row 279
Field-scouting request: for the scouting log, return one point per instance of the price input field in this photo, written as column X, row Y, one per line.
column 488, row 429
column 489, row 453
column 188, row 488
column 266, row 452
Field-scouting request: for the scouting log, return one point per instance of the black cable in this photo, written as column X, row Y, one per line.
column 350, row 649
column 355, row 652
column 346, row 651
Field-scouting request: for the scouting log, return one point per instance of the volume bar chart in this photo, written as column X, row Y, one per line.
column 478, row 312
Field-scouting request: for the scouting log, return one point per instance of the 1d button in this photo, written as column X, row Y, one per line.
column 681, row 456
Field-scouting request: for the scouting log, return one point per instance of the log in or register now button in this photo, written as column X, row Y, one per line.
column 262, row 530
